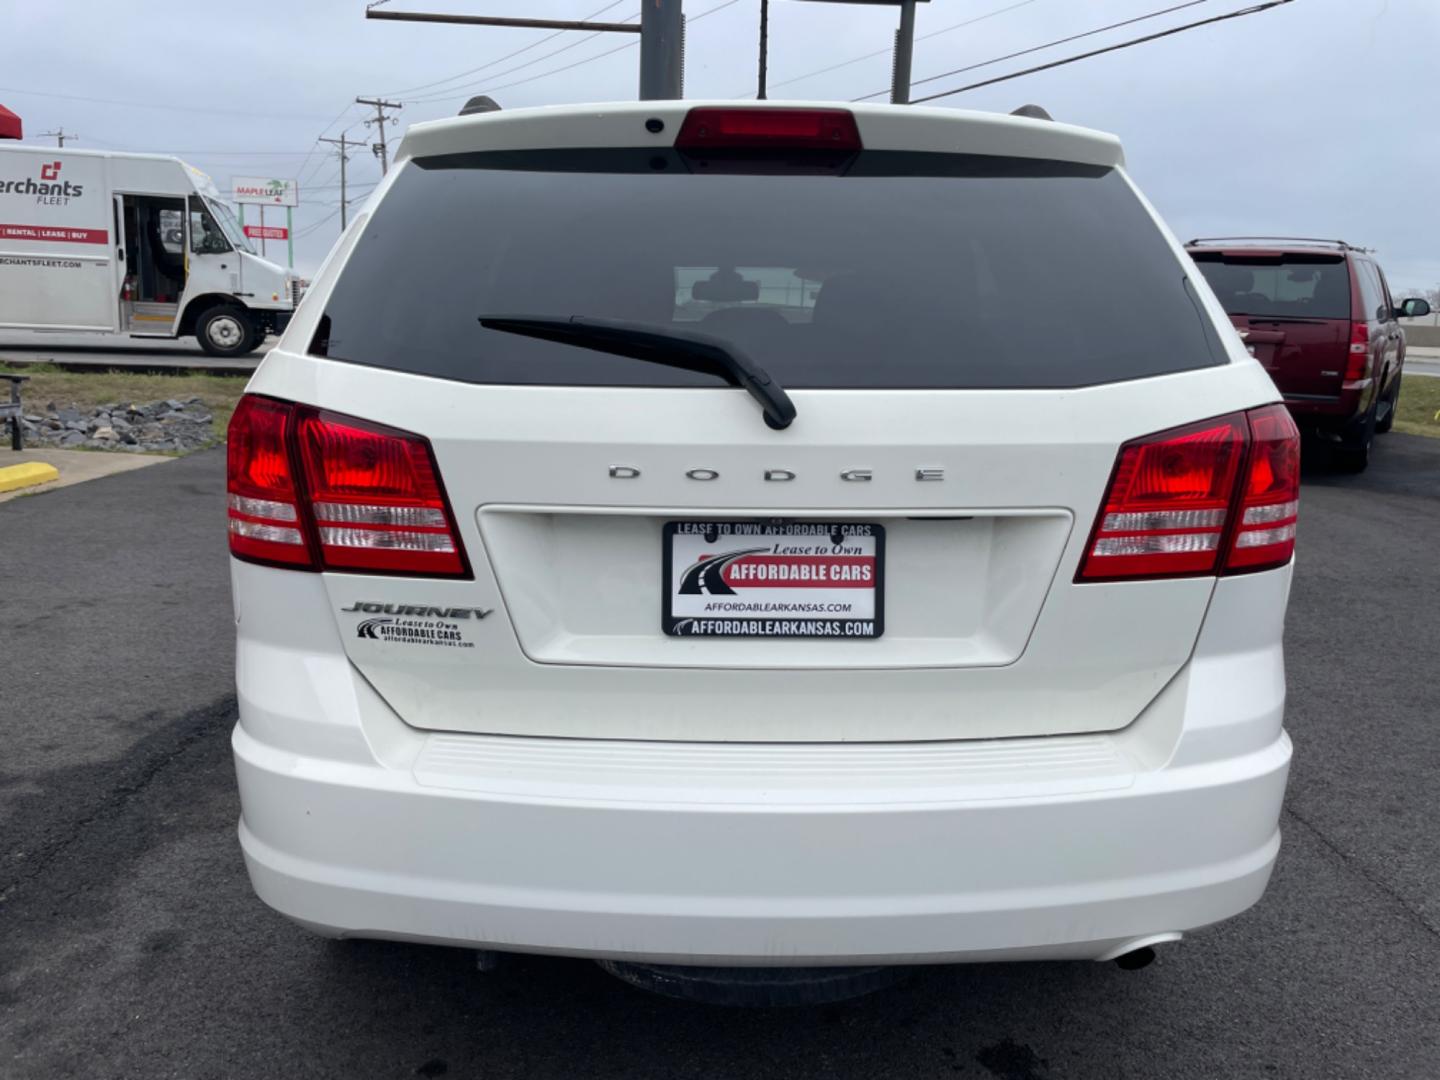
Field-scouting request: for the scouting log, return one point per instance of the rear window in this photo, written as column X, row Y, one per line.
column 1296, row 286
column 898, row 270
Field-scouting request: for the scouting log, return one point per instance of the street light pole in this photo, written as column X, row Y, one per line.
column 764, row 46
column 662, row 30
column 904, row 53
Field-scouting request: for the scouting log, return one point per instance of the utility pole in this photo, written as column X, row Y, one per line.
column 380, row 107
column 904, row 52
column 764, row 46
column 343, row 144
column 59, row 137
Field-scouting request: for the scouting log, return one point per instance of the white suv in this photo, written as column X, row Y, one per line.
column 764, row 535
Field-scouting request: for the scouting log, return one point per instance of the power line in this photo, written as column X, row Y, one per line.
column 1252, row 10
column 456, row 92
column 162, row 108
column 300, row 172
column 59, row 135
column 501, row 59
column 578, row 63
column 308, row 229
column 887, row 51
column 1039, row 48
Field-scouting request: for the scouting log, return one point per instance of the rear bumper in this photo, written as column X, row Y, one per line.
column 354, row 824
column 364, row 852
column 1328, row 412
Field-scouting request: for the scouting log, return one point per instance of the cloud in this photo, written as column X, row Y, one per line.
column 1306, row 119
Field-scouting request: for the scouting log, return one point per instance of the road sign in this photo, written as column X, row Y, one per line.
column 266, row 191
column 267, row 232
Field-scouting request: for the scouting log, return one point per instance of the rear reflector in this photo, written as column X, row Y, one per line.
column 338, row 494
column 1220, row 496
column 711, row 128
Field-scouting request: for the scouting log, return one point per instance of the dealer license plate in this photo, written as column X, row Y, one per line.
column 804, row 579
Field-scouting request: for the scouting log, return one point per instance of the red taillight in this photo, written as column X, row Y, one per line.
column 711, row 128
column 1175, row 497
column 1270, row 500
column 265, row 523
column 1359, row 357
column 367, row 499
column 1165, row 511
column 375, row 498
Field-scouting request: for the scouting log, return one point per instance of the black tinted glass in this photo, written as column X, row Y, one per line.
column 902, row 270
column 1295, row 286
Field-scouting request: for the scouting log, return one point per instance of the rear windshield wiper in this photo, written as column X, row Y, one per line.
column 656, row 345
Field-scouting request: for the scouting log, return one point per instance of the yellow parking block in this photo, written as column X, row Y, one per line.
column 27, row 474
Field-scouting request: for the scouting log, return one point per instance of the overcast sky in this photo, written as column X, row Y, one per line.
column 1315, row 118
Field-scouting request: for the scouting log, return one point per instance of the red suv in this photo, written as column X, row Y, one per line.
column 1318, row 315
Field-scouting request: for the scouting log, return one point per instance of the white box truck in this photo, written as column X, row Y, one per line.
column 130, row 244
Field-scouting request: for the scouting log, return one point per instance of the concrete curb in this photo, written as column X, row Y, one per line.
column 27, row 474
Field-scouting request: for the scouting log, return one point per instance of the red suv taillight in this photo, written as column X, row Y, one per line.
column 1217, row 497
column 314, row 490
column 1358, row 358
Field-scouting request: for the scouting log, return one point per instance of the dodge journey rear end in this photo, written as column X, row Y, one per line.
column 761, row 535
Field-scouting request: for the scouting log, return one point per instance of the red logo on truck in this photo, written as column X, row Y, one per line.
column 51, row 171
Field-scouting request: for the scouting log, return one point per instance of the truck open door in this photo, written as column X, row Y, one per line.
column 155, row 267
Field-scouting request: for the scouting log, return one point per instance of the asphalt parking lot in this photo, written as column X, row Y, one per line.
column 131, row 946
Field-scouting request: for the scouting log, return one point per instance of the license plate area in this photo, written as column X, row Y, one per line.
column 769, row 579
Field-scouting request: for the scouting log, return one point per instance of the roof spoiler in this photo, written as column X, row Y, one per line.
column 480, row 104
column 1256, row 241
column 1034, row 112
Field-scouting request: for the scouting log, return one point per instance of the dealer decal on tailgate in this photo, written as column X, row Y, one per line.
column 759, row 579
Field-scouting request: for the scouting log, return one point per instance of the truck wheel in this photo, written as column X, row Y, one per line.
column 1353, row 454
column 1392, row 402
column 226, row 330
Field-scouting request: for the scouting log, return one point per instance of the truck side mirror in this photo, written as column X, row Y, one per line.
column 1413, row 308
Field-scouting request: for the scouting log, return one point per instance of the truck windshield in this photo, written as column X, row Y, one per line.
column 229, row 225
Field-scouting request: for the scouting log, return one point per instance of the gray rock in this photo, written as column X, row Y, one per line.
column 68, row 416
column 105, row 433
column 171, row 403
column 72, row 438
column 31, row 418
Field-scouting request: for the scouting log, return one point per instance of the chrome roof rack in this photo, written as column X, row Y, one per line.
column 1260, row 240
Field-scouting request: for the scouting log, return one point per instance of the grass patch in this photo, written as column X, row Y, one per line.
column 87, row 389
column 1419, row 411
